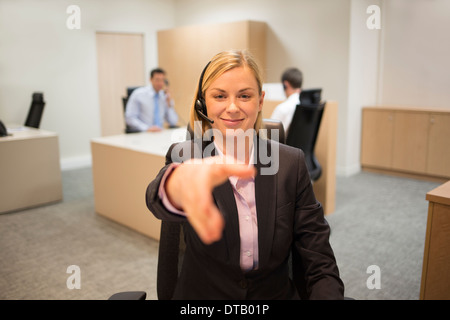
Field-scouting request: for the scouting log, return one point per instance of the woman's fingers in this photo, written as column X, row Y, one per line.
column 194, row 182
column 208, row 223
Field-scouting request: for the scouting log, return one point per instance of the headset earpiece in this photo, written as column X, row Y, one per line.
column 200, row 104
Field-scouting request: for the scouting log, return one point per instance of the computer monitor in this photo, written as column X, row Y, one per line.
column 310, row 96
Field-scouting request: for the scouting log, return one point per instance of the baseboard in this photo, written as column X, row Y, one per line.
column 347, row 171
column 77, row 162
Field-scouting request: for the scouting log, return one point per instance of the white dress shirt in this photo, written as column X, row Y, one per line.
column 285, row 111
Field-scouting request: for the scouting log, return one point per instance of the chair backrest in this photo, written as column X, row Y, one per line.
column 170, row 258
column 130, row 90
column 310, row 96
column 273, row 124
column 36, row 109
column 303, row 132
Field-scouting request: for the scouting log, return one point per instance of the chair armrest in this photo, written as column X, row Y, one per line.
column 129, row 295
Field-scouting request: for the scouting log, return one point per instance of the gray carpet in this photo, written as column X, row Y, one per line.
column 379, row 220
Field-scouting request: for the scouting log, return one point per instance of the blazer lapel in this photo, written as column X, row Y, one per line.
column 265, row 194
column 225, row 201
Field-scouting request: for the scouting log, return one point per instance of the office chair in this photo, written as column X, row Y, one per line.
column 36, row 109
column 273, row 124
column 303, row 132
column 310, row 96
column 130, row 90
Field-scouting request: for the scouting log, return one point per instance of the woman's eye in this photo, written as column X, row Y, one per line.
column 245, row 96
column 219, row 96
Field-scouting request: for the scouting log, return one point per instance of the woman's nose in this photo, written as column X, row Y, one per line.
column 232, row 107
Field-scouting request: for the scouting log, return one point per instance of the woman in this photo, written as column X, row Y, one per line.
column 240, row 224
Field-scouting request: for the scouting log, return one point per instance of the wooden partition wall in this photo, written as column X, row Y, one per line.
column 183, row 53
column 325, row 150
column 120, row 60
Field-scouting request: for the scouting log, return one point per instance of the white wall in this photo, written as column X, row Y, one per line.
column 364, row 52
column 39, row 53
column 416, row 54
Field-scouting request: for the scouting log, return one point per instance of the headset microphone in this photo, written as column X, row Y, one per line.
column 199, row 108
column 200, row 104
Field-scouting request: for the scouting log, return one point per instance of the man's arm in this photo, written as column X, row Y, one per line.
column 132, row 114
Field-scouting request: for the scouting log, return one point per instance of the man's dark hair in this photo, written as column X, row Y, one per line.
column 294, row 76
column 156, row 70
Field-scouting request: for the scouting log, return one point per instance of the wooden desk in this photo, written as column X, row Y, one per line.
column 30, row 173
column 436, row 260
column 122, row 167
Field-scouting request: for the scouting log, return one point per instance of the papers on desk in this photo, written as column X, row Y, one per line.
column 17, row 129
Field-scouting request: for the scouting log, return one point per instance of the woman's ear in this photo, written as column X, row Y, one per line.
column 261, row 100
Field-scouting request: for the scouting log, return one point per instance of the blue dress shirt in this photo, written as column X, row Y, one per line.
column 140, row 110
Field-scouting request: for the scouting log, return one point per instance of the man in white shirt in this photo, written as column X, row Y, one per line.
column 148, row 107
column 292, row 80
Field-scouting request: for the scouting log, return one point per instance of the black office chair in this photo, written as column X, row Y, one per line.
column 36, row 109
column 302, row 134
column 273, row 124
column 310, row 96
column 130, row 90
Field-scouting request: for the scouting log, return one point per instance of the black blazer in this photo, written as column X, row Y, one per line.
column 288, row 216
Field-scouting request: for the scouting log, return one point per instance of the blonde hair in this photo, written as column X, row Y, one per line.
column 219, row 64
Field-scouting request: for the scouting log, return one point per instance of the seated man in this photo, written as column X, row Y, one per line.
column 292, row 80
column 148, row 107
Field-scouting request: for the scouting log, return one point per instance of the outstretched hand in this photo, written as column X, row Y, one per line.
column 190, row 187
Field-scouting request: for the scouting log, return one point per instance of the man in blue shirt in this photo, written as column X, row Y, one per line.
column 148, row 107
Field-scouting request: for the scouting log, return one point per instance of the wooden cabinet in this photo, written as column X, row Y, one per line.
column 409, row 147
column 435, row 283
column 438, row 161
column 378, row 130
column 406, row 140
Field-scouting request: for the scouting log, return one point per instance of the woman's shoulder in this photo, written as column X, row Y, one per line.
column 284, row 149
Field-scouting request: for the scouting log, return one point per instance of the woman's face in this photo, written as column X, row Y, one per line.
column 233, row 100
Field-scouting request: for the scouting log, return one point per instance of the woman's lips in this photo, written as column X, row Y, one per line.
column 232, row 122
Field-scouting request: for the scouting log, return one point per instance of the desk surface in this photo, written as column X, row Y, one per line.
column 18, row 132
column 440, row 194
column 148, row 142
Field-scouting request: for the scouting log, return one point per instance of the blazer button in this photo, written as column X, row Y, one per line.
column 243, row 284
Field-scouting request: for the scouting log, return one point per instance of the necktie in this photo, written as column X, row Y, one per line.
column 156, row 116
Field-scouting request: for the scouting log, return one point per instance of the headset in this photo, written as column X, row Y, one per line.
column 200, row 104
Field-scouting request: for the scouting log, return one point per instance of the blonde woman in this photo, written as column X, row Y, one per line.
column 241, row 222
